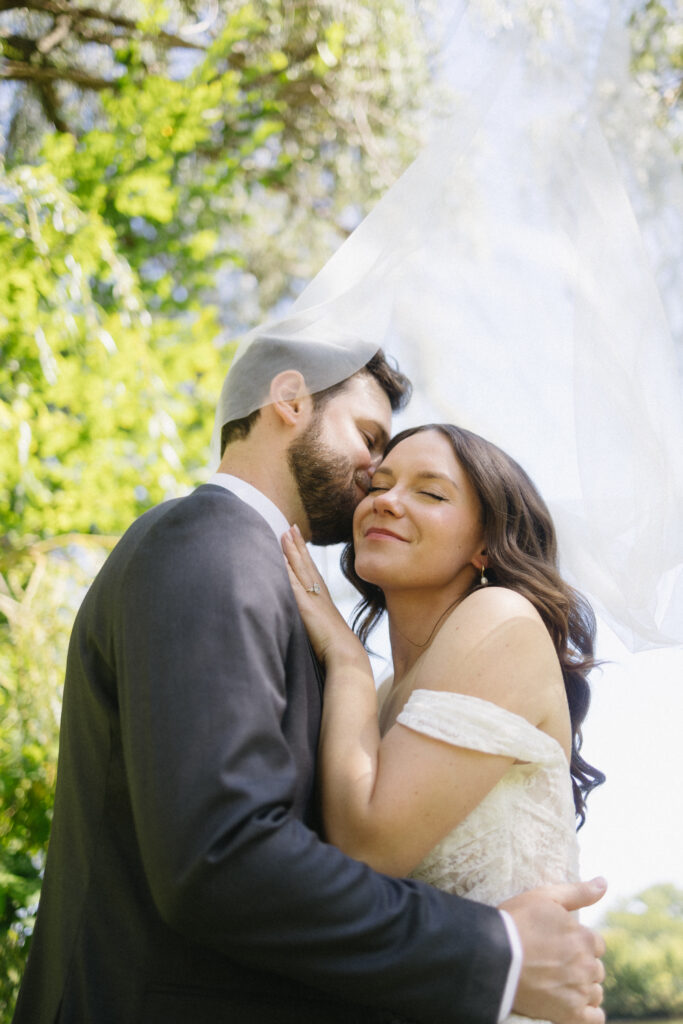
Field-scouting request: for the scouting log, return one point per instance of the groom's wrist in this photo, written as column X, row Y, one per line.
column 514, row 970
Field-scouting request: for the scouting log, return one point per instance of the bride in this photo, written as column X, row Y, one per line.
column 467, row 773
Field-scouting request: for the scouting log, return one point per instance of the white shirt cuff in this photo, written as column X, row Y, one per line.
column 515, row 969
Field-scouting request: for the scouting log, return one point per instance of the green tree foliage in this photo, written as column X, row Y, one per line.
column 657, row 61
column 644, row 958
column 224, row 150
column 170, row 216
column 32, row 653
column 163, row 181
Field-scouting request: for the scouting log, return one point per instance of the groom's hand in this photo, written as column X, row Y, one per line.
column 562, row 973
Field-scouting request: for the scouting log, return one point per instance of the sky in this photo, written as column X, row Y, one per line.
column 634, row 827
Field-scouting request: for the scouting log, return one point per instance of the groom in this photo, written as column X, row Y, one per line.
column 186, row 882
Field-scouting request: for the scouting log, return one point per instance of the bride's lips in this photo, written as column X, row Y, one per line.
column 378, row 532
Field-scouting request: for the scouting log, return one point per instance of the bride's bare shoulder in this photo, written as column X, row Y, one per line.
column 496, row 646
column 486, row 611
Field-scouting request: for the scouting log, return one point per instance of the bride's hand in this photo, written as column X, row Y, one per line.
column 328, row 632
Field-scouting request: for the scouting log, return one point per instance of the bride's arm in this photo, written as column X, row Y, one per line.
column 388, row 801
column 349, row 734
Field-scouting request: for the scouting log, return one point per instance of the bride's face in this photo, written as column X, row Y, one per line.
column 420, row 525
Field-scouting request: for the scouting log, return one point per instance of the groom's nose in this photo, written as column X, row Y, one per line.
column 363, row 478
column 374, row 462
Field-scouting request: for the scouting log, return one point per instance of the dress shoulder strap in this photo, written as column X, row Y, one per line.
column 476, row 724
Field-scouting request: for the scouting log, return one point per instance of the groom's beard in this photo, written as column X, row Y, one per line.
column 327, row 487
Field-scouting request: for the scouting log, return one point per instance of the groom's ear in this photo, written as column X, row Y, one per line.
column 289, row 397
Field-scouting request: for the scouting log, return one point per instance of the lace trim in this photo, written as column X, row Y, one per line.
column 477, row 724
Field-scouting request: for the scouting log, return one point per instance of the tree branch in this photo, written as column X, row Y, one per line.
column 78, row 14
column 10, row 608
column 57, row 35
column 49, row 103
column 13, row 70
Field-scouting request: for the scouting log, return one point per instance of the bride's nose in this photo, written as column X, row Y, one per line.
column 387, row 501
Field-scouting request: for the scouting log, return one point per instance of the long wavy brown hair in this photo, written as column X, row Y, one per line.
column 521, row 550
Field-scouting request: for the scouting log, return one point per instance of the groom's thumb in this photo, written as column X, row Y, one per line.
column 574, row 895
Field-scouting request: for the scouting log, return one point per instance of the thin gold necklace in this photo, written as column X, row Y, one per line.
column 434, row 628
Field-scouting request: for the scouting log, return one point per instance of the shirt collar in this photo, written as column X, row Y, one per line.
column 255, row 499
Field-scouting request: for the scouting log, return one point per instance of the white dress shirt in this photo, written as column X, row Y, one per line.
column 255, row 499
column 278, row 523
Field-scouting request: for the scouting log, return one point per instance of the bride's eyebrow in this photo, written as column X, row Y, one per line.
column 427, row 474
column 424, row 474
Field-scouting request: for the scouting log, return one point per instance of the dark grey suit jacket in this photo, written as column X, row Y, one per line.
column 185, row 878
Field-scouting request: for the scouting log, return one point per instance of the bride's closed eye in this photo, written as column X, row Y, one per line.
column 430, row 494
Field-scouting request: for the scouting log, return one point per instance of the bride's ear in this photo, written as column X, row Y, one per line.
column 289, row 396
column 480, row 560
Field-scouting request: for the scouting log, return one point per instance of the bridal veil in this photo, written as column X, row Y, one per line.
column 527, row 273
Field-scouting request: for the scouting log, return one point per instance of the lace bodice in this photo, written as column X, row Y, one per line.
column 523, row 833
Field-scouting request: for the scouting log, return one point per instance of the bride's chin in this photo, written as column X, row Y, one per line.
column 365, row 573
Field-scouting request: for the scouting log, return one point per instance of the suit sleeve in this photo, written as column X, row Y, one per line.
column 201, row 647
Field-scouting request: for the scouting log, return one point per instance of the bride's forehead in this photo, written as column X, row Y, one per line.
column 425, row 450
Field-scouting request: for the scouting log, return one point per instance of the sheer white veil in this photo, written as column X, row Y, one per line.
column 526, row 271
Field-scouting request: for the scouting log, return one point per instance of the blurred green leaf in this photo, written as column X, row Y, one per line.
column 644, row 955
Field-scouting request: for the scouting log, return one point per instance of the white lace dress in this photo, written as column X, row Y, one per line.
column 523, row 833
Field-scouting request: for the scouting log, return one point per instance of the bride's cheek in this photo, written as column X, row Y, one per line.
column 361, row 510
column 357, row 522
column 362, row 570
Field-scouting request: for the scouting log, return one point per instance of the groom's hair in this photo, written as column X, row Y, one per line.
column 395, row 385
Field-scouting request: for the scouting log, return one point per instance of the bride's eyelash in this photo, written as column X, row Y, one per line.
column 428, row 494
